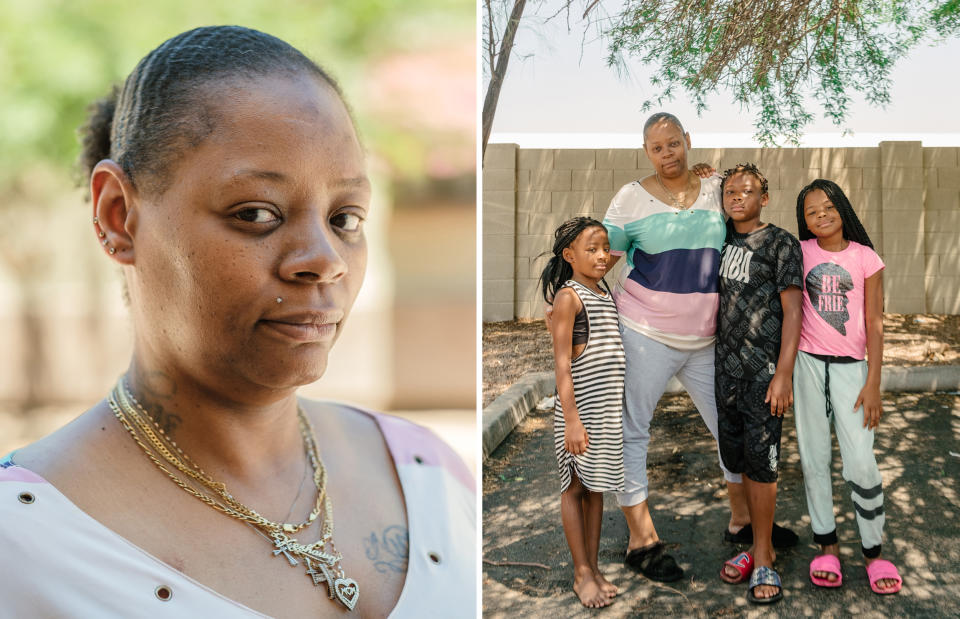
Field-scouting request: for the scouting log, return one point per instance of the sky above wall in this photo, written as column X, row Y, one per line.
column 560, row 93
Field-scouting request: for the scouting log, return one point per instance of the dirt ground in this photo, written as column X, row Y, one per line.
column 527, row 571
column 511, row 349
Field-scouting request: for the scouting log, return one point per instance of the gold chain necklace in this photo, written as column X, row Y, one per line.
column 677, row 203
column 323, row 564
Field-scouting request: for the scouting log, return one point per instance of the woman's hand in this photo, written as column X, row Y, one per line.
column 575, row 438
column 780, row 394
column 703, row 170
column 872, row 408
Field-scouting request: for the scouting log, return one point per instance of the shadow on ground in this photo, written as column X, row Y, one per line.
column 521, row 523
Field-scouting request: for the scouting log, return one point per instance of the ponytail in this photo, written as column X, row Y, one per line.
column 95, row 135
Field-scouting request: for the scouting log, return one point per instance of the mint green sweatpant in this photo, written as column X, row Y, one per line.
column 860, row 469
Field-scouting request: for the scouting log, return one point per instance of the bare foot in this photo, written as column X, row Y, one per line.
column 588, row 590
column 832, row 549
column 608, row 588
column 730, row 572
column 883, row 583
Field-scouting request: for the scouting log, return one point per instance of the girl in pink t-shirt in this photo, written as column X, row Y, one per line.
column 842, row 323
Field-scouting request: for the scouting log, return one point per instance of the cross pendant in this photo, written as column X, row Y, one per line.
column 282, row 547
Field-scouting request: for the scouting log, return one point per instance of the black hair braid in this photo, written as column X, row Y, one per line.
column 853, row 230
column 745, row 168
column 558, row 270
column 163, row 107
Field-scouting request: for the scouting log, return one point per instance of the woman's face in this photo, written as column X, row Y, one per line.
column 268, row 206
column 666, row 148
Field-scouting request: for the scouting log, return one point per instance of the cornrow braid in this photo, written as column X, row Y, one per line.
column 853, row 230
column 745, row 168
column 164, row 106
column 558, row 270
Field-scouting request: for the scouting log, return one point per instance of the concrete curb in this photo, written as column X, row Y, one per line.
column 502, row 415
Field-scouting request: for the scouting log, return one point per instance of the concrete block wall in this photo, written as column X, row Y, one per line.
column 941, row 229
column 906, row 195
column 499, row 197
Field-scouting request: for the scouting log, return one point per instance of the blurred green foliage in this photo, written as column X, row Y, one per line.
column 57, row 56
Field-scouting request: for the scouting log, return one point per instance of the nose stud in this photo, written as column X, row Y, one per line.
column 279, row 299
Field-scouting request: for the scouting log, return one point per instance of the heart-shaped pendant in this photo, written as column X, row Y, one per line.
column 347, row 590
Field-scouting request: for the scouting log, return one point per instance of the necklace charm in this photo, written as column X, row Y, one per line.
column 677, row 202
column 347, row 591
column 323, row 563
column 283, row 546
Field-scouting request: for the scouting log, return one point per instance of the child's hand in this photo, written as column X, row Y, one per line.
column 780, row 394
column 872, row 408
column 575, row 438
column 703, row 170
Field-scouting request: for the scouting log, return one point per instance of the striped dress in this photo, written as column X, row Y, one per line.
column 598, row 391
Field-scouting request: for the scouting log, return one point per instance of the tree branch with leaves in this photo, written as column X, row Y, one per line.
column 771, row 53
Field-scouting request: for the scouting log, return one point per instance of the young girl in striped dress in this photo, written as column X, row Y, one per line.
column 589, row 361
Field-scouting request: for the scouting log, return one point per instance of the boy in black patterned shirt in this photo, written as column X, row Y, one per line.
column 758, row 328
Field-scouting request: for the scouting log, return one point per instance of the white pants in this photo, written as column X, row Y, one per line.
column 650, row 365
column 860, row 469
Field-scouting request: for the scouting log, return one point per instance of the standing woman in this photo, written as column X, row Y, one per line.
column 228, row 183
column 670, row 225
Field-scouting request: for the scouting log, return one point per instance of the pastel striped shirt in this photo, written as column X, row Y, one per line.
column 668, row 290
column 58, row 561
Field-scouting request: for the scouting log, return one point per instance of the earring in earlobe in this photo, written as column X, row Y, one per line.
column 279, row 299
column 112, row 251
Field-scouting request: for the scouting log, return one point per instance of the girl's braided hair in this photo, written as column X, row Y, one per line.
column 165, row 105
column 852, row 228
column 558, row 270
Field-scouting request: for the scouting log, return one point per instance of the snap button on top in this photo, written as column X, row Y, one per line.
column 27, row 498
column 163, row 593
column 434, row 557
column 418, row 459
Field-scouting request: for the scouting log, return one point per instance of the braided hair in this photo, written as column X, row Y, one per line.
column 852, row 228
column 165, row 104
column 558, row 270
column 745, row 168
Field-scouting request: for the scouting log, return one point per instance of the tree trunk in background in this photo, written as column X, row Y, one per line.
column 499, row 72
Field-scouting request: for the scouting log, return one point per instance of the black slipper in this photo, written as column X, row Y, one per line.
column 782, row 537
column 654, row 563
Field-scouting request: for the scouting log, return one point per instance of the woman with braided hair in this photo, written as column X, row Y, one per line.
column 228, row 183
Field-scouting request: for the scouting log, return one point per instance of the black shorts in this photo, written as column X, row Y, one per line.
column 749, row 436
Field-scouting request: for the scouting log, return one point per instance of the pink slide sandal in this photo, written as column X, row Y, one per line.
column 826, row 563
column 879, row 570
